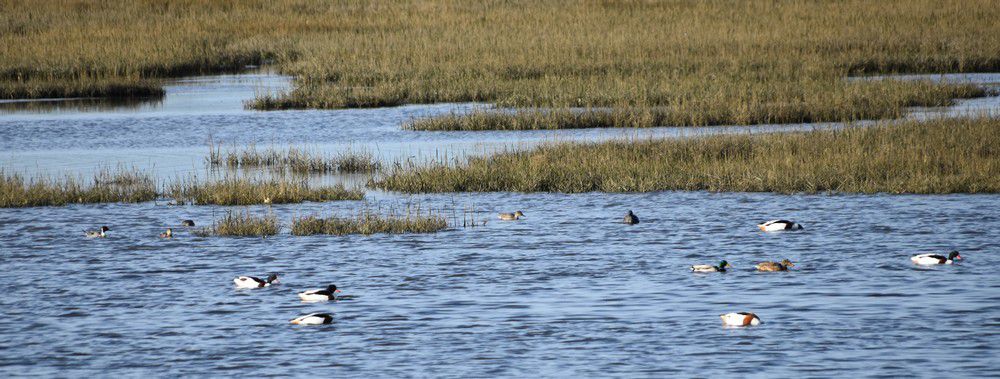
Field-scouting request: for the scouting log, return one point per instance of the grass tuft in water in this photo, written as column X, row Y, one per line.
column 295, row 160
column 245, row 191
column 369, row 222
column 242, row 224
column 107, row 186
column 933, row 156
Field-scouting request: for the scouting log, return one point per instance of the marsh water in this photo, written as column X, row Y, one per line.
column 567, row 291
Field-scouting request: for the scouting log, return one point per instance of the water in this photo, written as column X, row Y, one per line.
column 565, row 292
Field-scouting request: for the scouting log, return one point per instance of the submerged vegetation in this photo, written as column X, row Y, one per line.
column 369, row 221
column 294, row 159
column 675, row 63
column 243, row 224
column 107, row 186
column 244, row 191
column 934, row 156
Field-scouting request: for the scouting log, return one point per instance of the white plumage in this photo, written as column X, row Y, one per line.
column 779, row 225
column 740, row 319
column 313, row 319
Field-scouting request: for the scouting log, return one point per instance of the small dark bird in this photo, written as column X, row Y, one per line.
column 630, row 218
column 187, row 222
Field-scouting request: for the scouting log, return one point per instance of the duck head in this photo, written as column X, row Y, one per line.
column 519, row 214
column 104, row 229
column 954, row 255
column 273, row 278
column 188, row 223
column 332, row 288
column 787, row 263
column 724, row 265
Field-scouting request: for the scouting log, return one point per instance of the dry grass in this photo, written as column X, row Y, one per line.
column 369, row 221
column 107, row 186
column 243, row 224
column 936, row 156
column 246, row 191
column 703, row 62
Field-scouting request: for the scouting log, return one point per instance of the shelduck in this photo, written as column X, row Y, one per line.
column 329, row 293
column 740, row 319
column 313, row 319
column 936, row 259
column 255, row 282
column 779, row 225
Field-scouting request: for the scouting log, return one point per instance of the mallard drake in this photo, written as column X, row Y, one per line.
column 511, row 216
column 167, row 234
column 935, row 259
column 740, row 319
column 313, row 319
column 709, row 268
column 630, row 218
column 779, row 225
column 187, row 222
column 255, row 282
column 329, row 293
column 775, row 266
column 97, row 233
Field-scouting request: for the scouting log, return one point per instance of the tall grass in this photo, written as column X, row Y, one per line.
column 234, row 190
column 243, row 224
column 935, row 156
column 107, row 186
column 704, row 62
column 369, row 221
column 295, row 160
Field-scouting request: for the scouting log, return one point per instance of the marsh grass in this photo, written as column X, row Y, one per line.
column 295, row 160
column 131, row 88
column 235, row 190
column 242, row 224
column 370, row 221
column 694, row 63
column 107, row 186
column 934, row 156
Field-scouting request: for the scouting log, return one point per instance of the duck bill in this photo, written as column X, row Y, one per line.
column 337, row 291
column 958, row 257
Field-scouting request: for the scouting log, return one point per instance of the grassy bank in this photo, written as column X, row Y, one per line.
column 688, row 62
column 371, row 222
column 937, row 156
column 243, row 224
column 246, row 191
column 107, row 186
column 294, row 159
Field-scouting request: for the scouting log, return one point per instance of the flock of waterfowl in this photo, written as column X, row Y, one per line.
column 729, row 319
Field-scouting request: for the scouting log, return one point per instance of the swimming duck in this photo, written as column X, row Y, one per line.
column 779, row 225
column 255, row 282
column 630, row 218
column 330, row 293
column 775, row 266
column 167, row 234
column 313, row 319
column 740, row 319
column 511, row 216
column 97, row 233
column 709, row 268
column 187, row 222
column 935, row 259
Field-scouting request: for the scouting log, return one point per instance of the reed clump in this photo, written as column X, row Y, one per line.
column 107, row 186
column 294, row 159
column 243, row 224
column 231, row 190
column 369, row 222
column 934, row 156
